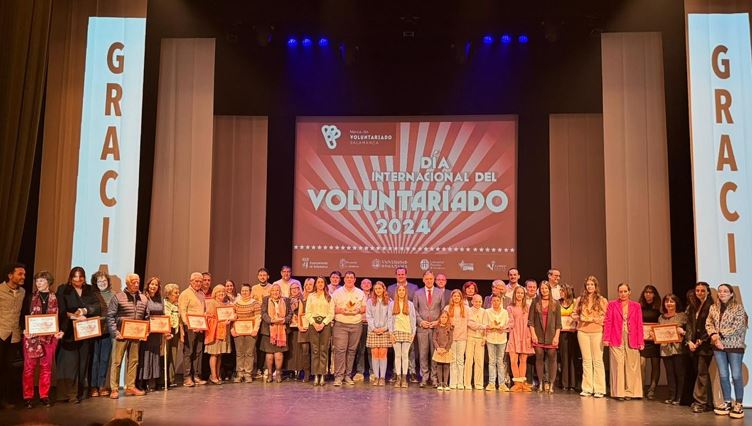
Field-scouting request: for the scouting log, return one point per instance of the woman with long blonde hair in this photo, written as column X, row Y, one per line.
column 378, row 340
column 519, row 343
column 402, row 329
column 589, row 314
column 458, row 318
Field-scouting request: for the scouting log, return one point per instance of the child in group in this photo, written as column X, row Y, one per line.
column 442, row 356
column 475, row 348
column 401, row 324
column 378, row 338
column 520, row 343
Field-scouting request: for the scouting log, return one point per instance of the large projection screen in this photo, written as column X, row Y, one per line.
column 376, row 193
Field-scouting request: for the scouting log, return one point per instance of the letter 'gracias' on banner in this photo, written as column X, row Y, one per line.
column 376, row 193
column 720, row 69
column 104, row 234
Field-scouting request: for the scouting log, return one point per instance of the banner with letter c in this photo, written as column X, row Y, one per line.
column 104, row 234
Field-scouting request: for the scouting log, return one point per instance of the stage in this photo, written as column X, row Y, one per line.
column 296, row 404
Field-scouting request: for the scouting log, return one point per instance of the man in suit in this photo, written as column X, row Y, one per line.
column 443, row 292
column 428, row 304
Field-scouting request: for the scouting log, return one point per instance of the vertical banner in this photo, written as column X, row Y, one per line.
column 104, row 234
column 720, row 71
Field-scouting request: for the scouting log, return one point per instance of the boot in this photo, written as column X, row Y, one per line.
column 398, row 381
column 404, row 381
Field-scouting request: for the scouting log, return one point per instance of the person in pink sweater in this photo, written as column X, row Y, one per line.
column 623, row 333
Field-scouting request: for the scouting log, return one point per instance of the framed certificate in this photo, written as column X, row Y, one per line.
column 197, row 322
column 567, row 323
column 159, row 324
column 244, row 327
column 134, row 329
column 42, row 325
column 225, row 313
column 87, row 328
column 668, row 333
column 647, row 330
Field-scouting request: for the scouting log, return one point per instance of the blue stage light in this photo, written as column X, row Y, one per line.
column 522, row 38
column 323, row 42
column 506, row 39
column 307, row 42
column 292, row 42
column 487, row 39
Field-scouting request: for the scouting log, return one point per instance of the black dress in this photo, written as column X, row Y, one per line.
column 650, row 315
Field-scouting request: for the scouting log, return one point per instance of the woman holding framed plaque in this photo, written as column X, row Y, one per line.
column 244, row 332
column 40, row 339
column 76, row 301
column 727, row 327
column 150, row 369
column 672, row 353
column 590, row 312
column 99, row 384
column 276, row 315
column 216, row 339
column 650, row 302
column 623, row 333
column 319, row 314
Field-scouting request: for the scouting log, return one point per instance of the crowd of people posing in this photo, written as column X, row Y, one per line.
column 327, row 329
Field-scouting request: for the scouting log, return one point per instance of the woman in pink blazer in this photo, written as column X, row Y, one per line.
column 623, row 333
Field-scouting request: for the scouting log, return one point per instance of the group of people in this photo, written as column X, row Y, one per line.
column 315, row 331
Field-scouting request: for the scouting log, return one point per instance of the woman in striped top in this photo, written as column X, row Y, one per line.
column 246, row 308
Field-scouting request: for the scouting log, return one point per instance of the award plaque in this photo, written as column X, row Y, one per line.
column 42, row 325
column 159, row 324
column 244, row 327
column 87, row 328
column 225, row 313
column 134, row 329
column 197, row 322
column 668, row 333
column 647, row 330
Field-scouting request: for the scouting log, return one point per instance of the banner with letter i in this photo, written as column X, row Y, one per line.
column 720, row 83
column 104, row 234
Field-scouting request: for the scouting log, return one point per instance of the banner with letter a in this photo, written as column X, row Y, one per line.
column 104, row 234
column 720, row 83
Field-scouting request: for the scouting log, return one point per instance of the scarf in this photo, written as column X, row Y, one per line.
column 277, row 332
column 34, row 346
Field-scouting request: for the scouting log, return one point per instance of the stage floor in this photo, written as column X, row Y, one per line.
column 302, row 404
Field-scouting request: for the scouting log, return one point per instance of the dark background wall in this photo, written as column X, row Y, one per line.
column 558, row 71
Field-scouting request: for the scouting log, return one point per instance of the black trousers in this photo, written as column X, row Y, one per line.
column 702, row 392
column 571, row 364
column 8, row 352
column 675, row 374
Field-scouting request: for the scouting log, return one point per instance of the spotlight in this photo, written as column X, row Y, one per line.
column 323, row 42
column 487, row 39
column 506, row 39
column 522, row 39
column 307, row 42
column 292, row 42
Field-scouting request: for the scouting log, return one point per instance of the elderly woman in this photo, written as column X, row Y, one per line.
column 217, row 337
column 171, row 293
column 99, row 382
column 246, row 308
column 276, row 314
column 299, row 358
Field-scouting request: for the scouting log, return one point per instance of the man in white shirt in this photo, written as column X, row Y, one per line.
column 554, row 276
column 349, row 308
column 11, row 301
column 286, row 281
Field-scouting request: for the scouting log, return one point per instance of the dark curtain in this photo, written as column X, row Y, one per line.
column 24, row 35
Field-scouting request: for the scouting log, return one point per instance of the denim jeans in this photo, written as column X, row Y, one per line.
column 733, row 360
column 100, row 362
column 496, row 366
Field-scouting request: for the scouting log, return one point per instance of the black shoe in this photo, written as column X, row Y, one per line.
column 413, row 378
column 28, row 404
column 46, row 402
column 699, row 408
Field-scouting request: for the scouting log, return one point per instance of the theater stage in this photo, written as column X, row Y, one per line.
column 298, row 404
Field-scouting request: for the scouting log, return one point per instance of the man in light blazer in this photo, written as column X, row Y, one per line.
column 428, row 303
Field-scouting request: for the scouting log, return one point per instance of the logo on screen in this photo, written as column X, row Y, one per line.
column 375, row 263
column 466, row 266
column 425, row 264
column 331, row 134
column 305, row 262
